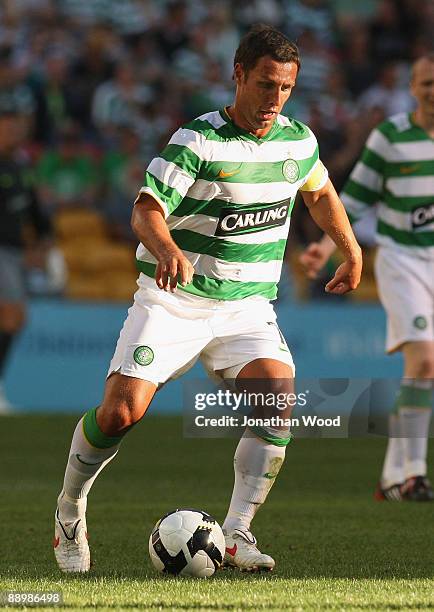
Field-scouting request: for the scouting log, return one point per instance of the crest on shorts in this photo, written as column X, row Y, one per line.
column 291, row 170
column 420, row 322
column 143, row 355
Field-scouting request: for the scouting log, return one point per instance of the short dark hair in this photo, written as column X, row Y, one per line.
column 264, row 40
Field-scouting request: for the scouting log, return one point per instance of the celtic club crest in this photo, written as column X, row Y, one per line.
column 291, row 170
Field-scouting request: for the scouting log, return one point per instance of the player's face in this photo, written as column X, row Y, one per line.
column 422, row 86
column 262, row 93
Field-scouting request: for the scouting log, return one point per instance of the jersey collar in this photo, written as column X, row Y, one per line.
column 245, row 134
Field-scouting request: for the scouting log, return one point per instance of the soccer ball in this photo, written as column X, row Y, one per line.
column 187, row 542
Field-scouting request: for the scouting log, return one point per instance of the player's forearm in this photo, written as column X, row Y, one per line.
column 329, row 214
column 151, row 229
column 327, row 245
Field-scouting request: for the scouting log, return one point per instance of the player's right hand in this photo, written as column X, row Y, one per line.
column 313, row 259
column 173, row 267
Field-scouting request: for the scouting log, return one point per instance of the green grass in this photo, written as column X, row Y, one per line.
column 335, row 548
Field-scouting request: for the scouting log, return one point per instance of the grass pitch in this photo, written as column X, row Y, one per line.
column 335, row 548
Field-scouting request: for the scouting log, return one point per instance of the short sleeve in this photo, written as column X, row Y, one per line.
column 169, row 176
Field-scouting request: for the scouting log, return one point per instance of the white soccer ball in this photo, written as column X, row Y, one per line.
column 187, row 542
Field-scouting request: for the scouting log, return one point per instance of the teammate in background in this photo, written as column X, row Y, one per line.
column 22, row 225
column 212, row 219
column 396, row 174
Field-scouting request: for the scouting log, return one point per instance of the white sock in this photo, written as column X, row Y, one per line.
column 256, row 465
column 415, row 429
column 393, row 467
column 85, row 462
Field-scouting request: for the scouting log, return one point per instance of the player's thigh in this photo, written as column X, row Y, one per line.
column 418, row 359
column 156, row 341
column 242, row 337
column 250, row 353
column 405, row 290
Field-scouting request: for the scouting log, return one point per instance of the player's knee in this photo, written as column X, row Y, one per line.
column 425, row 367
column 125, row 402
column 129, row 413
column 118, row 413
column 117, row 418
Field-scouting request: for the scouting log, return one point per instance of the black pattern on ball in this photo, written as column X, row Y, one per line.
column 172, row 565
column 203, row 540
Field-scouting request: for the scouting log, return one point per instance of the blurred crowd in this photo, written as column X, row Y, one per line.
column 101, row 84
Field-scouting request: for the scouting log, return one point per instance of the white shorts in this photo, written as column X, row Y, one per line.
column 406, row 289
column 164, row 335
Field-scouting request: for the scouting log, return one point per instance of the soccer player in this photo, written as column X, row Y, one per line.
column 396, row 174
column 20, row 216
column 212, row 219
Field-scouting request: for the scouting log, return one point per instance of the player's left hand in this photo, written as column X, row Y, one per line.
column 346, row 278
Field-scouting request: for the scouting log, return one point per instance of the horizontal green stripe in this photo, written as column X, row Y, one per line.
column 218, row 289
column 226, row 250
column 254, row 172
column 405, row 205
column 93, row 433
column 409, row 169
column 422, row 239
column 372, row 160
column 393, row 135
column 183, row 157
column 361, row 193
column 414, row 397
column 171, row 197
column 267, row 437
column 213, row 208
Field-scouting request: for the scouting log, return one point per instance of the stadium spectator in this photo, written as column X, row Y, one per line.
column 257, row 11
column 388, row 33
column 122, row 170
column 317, row 65
column 222, row 37
column 359, row 68
column 313, row 15
column 173, row 29
column 24, row 230
column 386, row 93
column 67, row 175
column 119, row 100
column 92, row 67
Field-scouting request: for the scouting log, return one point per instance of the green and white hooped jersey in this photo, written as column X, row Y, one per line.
column 227, row 197
column 396, row 174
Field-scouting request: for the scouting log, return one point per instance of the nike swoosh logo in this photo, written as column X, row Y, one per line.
column 86, row 462
column 246, row 536
column 56, row 542
column 74, row 529
column 232, row 551
column 223, row 174
column 409, row 169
